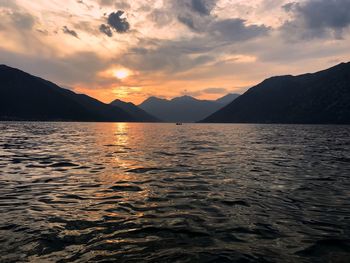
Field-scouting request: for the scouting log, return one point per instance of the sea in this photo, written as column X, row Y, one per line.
column 133, row 192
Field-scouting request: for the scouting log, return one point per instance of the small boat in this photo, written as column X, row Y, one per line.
column 178, row 123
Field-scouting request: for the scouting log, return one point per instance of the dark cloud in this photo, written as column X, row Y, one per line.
column 195, row 14
column 117, row 22
column 236, row 30
column 68, row 31
column 288, row 7
column 106, row 30
column 317, row 18
column 197, row 17
column 23, row 21
column 203, row 7
column 188, row 21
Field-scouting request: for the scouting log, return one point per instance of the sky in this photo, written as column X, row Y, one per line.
column 130, row 50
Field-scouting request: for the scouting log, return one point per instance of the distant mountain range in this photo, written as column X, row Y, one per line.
column 184, row 109
column 134, row 111
column 26, row 97
column 319, row 98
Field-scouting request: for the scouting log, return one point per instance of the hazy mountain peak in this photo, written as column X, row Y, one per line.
column 182, row 109
column 154, row 99
column 184, row 98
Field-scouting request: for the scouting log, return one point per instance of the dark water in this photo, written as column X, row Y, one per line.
column 73, row 192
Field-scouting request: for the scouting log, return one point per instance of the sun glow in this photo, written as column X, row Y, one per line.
column 121, row 73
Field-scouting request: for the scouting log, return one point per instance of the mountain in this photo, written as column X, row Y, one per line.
column 227, row 99
column 185, row 108
column 26, row 97
column 134, row 111
column 318, row 98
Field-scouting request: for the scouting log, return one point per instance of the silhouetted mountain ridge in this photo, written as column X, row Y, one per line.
column 134, row 111
column 321, row 97
column 185, row 108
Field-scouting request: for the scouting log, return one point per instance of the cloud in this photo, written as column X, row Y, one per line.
column 213, row 38
column 86, row 26
column 235, row 29
column 8, row 3
column 80, row 67
column 196, row 7
column 203, row 7
column 160, row 18
column 117, row 22
column 181, row 55
column 166, row 56
column 43, row 32
column 189, row 22
column 198, row 16
column 68, row 31
column 106, row 2
column 23, row 21
column 13, row 14
column 317, row 19
column 214, row 91
column 106, row 30
column 195, row 14
column 122, row 5
column 207, row 91
column 85, row 4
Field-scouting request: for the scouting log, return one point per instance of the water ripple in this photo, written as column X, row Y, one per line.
column 164, row 193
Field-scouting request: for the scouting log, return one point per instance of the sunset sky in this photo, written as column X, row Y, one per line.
column 131, row 50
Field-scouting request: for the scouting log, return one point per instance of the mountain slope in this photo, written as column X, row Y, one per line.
column 182, row 109
column 134, row 111
column 322, row 97
column 26, row 97
column 227, row 99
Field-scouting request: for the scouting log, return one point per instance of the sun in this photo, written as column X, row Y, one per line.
column 121, row 73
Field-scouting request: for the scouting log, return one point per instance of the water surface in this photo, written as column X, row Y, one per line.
column 88, row 192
